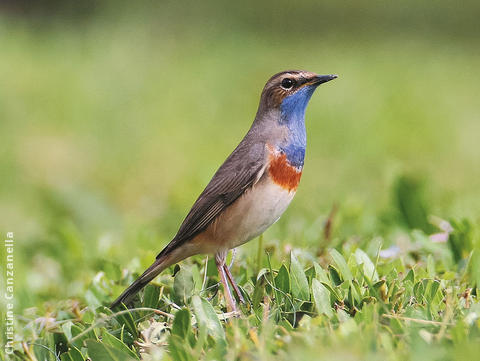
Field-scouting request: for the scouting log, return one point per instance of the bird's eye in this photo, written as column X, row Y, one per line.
column 288, row 83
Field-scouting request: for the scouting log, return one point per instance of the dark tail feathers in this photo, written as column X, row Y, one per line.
column 158, row 266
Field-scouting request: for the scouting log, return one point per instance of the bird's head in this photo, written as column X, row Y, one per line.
column 290, row 91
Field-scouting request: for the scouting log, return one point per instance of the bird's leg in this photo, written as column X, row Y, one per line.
column 220, row 262
column 231, row 279
column 234, row 284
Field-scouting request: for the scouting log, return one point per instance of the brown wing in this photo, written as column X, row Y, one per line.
column 238, row 173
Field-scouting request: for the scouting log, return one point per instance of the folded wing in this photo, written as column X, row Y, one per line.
column 242, row 169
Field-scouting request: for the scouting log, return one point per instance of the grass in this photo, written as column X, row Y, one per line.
column 112, row 126
column 347, row 303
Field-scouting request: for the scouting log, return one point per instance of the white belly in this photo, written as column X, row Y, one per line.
column 251, row 214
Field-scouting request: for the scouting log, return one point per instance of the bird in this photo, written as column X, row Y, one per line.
column 251, row 189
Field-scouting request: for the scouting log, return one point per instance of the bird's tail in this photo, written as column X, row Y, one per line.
column 150, row 273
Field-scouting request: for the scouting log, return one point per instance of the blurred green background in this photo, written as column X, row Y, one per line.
column 114, row 116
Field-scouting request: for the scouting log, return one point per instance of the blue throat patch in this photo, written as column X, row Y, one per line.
column 293, row 116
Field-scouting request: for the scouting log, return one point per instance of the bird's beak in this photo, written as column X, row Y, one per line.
column 320, row 79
